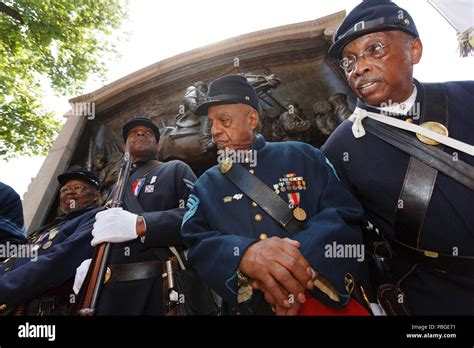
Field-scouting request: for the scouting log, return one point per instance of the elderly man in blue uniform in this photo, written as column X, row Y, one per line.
column 142, row 232
column 260, row 228
column 407, row 157
column 37, row 279
column 11, row 216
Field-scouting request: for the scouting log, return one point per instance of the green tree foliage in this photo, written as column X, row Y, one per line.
column 60, row 43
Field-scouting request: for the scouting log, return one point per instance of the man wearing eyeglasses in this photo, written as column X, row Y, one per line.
column 407, row 155
column 36, row 278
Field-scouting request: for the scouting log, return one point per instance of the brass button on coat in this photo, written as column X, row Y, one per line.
column 225, row 165
column 435, row 127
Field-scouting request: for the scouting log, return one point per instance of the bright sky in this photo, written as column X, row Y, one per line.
column 160, row 29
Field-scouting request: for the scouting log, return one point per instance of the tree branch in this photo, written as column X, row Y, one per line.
column 11, row 12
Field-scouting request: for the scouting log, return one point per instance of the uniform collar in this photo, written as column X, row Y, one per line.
column 75, row 214
column 259, row 142
column 400, row 108
column 142, row 161
column 64, row 218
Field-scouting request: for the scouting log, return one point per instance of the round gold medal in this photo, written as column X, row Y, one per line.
column 299, row 214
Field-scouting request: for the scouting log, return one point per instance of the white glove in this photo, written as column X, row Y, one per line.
column 81, row 273
column 114, row 225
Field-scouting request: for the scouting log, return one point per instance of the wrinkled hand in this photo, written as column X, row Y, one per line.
column 279, row 310
column 292, row 311
column 81, row 273
column 279, row 268
column 114, row 225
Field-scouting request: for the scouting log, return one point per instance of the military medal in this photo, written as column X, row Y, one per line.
column 153, row 179
column 435, row 127
column 50, row 235
column 149, row 188
column 137, row 186
column 53, row 233
column 298, row 213
column 43, row 236
column 291, row 182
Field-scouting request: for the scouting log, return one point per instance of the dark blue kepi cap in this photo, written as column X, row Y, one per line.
column 229, row 89
column 368, row 17
column 84, row 175
column 140, row 121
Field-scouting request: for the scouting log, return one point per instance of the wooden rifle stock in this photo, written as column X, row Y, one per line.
column 90, row 291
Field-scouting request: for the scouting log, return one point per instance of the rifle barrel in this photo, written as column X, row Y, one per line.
column 90, row 291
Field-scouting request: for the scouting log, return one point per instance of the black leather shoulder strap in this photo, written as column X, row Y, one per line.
column 420, row 179
column 144, row 170
column 413, row 201
column 458, row 170
column 264, row 196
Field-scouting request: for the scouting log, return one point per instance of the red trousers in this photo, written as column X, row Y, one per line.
column 313, row 306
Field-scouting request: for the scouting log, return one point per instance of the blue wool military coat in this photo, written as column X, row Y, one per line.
column 375, row 171
column 220, row 222
column 60, row 250
column 11, row 215
column 163, row 195
column 23, row 279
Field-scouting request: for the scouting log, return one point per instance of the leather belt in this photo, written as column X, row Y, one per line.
column 431, row 260
column 135, row 271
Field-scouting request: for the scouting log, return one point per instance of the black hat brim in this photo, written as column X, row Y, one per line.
column 66, row 177
column 335, row 51
column 140, row 122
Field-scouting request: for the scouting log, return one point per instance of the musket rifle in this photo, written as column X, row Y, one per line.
column 90, row 290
